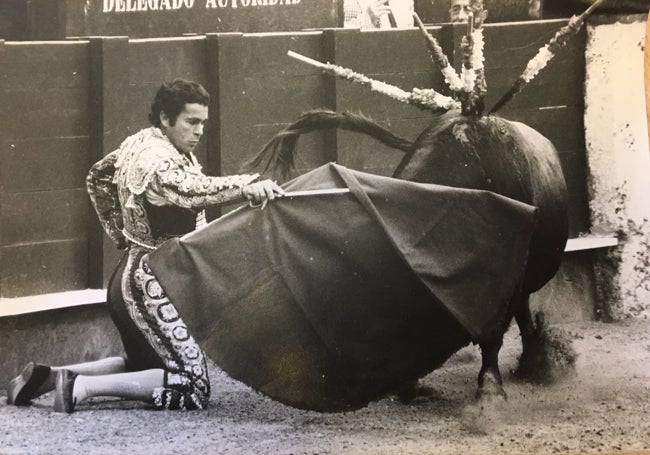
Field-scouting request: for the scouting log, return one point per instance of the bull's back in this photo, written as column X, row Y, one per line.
column 508, row 158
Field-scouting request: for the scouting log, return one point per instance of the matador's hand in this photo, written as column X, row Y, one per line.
column 259, row 192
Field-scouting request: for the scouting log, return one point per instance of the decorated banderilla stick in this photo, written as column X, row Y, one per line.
column 545, row 54
column 422, row 98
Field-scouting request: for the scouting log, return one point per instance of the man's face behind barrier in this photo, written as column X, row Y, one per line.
column 459, row 10
column 186, row 130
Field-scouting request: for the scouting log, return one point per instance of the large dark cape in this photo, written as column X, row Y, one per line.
column 328, row 302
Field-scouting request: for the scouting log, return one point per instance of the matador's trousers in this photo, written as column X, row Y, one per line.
column 154, row 335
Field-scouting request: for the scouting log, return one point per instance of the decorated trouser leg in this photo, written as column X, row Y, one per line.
column 186, row 384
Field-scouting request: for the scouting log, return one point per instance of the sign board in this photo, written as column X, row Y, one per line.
column 158, row 18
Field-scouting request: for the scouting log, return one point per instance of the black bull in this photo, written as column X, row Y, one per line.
column 487, row 153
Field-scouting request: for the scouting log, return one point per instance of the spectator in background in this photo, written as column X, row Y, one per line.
column 459, row 11
column 535, row 9
column 378, row 14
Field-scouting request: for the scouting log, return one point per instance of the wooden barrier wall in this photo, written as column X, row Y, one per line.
column 44, row 207
column 67, row 103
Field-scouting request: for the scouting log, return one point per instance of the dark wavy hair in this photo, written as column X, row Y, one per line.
column 172, row 97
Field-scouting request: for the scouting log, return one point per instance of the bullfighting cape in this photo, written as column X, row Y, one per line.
column 327, row 302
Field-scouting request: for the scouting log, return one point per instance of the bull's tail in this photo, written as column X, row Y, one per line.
column 278, row 154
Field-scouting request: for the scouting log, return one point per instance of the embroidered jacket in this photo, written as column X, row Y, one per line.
column 147, row 192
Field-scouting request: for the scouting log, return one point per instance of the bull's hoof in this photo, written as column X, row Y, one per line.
column 490, row 389
column 548, row 355
column 533, row 364
column 483, row 416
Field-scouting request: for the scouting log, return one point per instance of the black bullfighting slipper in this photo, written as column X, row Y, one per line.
column 64, row 401
column 22, row 388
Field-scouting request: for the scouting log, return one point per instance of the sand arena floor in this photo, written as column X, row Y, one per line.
column 604, row 406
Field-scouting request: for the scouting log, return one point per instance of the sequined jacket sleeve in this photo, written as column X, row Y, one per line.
column 103, row 194
column 180, row 183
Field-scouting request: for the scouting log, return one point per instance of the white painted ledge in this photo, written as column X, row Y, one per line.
column 590, row 243
column 43, row 302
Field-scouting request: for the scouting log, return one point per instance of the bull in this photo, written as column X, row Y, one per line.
column 465, row 149
column 488, row 153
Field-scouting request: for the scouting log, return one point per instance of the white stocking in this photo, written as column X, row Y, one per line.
column 137, row 385
column 109, row 365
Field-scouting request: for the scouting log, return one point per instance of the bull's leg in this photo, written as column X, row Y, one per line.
column 490, row 384
column 547, row 353
column 531, row 361
column 525, row 320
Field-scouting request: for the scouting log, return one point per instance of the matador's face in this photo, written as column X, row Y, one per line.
column 188, row 128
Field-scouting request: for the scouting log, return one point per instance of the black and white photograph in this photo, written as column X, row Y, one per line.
column 346, row 227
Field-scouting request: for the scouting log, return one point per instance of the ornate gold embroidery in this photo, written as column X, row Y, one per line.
column 103, row 195
column 148, row 166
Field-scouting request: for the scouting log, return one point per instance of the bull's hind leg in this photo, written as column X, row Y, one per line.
column 546, row 353
column 532, row 353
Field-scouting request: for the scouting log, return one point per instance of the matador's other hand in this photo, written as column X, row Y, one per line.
column 259, row 192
